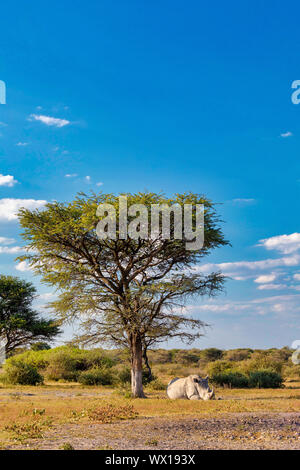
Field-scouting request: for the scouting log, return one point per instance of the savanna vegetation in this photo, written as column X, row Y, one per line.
column 239, row 368
column 68, row 397
column 127, row 294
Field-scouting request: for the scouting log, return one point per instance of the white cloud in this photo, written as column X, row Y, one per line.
column 285, row 244
column 99, row 183
column 47, row 296
column 263, row 279
column 227, row 307
column 22, row 144
column 23, row 266
column 9, row 207
column 71, row 175
column 7, row 180
column 244, row 201
column 271, row 286
column 279, row 307
column 278, row 298
column 11, row 249
column 88, row 179
column 295, row 287
column 49, row 121
column 236, row 267
column 6, row 241
column 297, row 277
column 289, row 304
column 286, row 134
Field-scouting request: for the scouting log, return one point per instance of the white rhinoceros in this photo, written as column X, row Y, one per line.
column 192, row 387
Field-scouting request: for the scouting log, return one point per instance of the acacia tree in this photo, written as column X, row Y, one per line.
column 20, row 325
column 127, row 292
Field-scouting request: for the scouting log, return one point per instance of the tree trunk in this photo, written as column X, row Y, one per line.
column 137, row 368
column 147, row 364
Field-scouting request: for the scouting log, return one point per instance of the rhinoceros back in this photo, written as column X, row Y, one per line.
column 176, row 389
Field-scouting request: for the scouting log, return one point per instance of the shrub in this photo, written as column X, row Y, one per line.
column 96, row 376
column 40, row 346
column 292, row 371
column 265, row 379
column 211, row 354
column 110, row 413
column 185, row 357
column 32, row 358
column 161, row 356
column 107, row 413
column 67, row 363
column 219, row 367
column 237, row 355
column 67, row 446
column 260, row 362
column 124, row 376
column 157, row 385
column 146, row 377
column 97, row 358
column 231, row 379
column 62, row 366
column 280, row 355
column 20, row 373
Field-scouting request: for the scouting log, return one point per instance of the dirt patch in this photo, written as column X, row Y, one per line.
column 230, row 431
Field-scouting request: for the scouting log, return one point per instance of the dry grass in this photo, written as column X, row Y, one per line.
column 27, row 412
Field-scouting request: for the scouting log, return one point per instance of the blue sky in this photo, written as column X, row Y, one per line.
column 164, row 96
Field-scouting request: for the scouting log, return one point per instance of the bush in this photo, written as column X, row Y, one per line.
column 65, row 362
column 40, row 346
column 261, row 361
column 292, row 371
column 20, row 373
column 33, row 358
column 231, row 379
column 237, row 355
column 185, row 357
column 110, row 413
column 219, row 367
column 124, row 376
column 146, row 378
column 157, row 384
column 97, row 358
column 63, row 365
column 211, row 354
column 96, row 376
column 280, row 355
column 265, row 379
column 161, row 356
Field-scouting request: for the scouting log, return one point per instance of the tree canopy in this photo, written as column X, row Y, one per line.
column 20, row 325
column 127, row 292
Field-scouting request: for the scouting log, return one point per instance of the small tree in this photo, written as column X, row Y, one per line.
column 128, row 292
column 20, row 325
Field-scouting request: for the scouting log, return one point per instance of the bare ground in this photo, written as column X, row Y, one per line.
column 230, row 431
